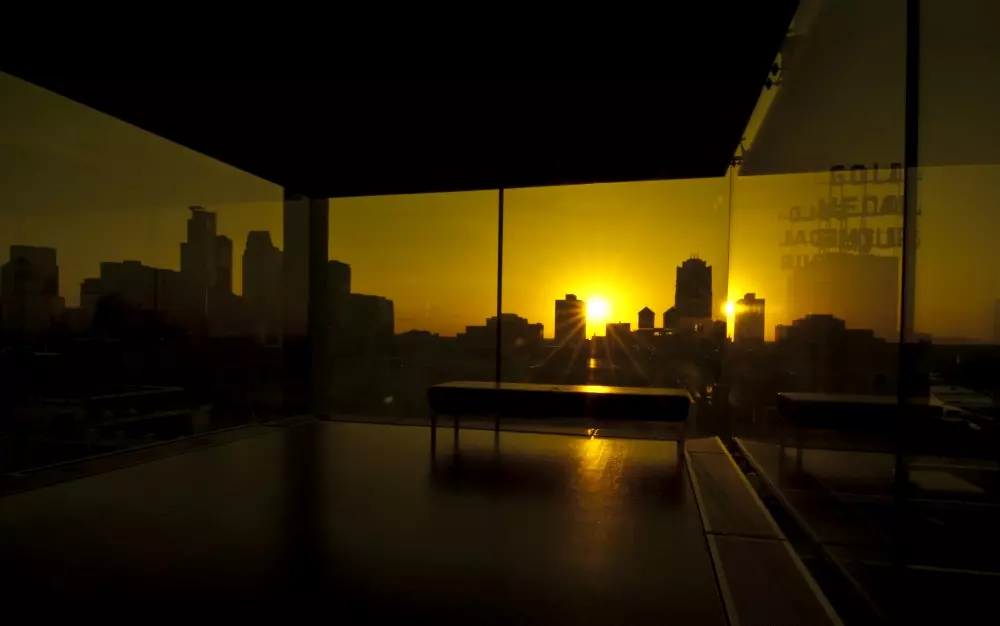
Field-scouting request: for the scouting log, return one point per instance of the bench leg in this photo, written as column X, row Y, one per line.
column 456, row 430
column 433, row 432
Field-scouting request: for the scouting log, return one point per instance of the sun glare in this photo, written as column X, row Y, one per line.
column 729, row 308
column 598, row 309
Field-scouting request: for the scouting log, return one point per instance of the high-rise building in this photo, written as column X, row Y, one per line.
column 339, row 280
column 819, row 353
column 91, row 291
column 618, row 340
column 369, row 325
column 199, row 259
column 861, row 289
column 693, row 291
column 571, row 320
column 748, row 324
column 198, row 256
column 171, row 296
column 647, row 318
column 619, row 330
column 339, row 276
column 29, row 289
column 140, row 286
column 262, row 284
column 223, row 263
column 517, row 335
column 133, row 281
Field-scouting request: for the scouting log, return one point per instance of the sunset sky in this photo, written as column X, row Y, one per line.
column 98, row 189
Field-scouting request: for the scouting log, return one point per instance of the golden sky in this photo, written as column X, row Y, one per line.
column 98, row 189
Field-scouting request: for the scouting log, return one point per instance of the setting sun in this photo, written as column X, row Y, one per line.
column 598, row 310
column 729, row 308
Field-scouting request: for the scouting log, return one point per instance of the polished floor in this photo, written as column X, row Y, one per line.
column 523, row 527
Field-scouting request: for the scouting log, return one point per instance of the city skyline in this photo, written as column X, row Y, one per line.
column 69, row 170
column 207, row 264
column 203, row 270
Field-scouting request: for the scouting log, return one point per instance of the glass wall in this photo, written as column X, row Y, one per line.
column 138, row 287
column 616, row 284
column 883, row 455
column 413, row 289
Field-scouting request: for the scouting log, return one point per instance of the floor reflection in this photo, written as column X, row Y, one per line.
column 528, row 528
column 903, row 548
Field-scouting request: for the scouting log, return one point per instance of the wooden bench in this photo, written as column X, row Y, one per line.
column 527, row 400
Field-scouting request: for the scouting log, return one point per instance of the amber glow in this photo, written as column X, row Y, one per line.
column 435, row 255
column 598, row 310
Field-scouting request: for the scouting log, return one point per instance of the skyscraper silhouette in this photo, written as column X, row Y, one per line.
column 199, row 259
column 693, row 291
column 262, row 284
column 339, row 278
column 748, row 324
column 339, row 293
column 224, row 263
column 370, row 325
column 571, row 320
column 133, row 281
column 29, row 289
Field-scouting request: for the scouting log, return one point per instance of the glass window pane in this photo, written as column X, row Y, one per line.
column 413, row 284
column 125, row 314
column 956, row 302
column 627, row 283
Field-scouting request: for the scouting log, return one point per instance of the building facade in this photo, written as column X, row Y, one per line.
column 29, row 290
column 571, row 320
column 693, row 290
column 748, row 324
column 861, row 289
column 262, row 284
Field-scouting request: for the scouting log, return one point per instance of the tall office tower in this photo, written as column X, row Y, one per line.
column 262, row 283
column 571, row 320
column 749, row 319
column 693, row 292
column 29, row 289
column 223, row 264
column 339, row 278
column 369, row 325
column 199, row 259
column 133, row 281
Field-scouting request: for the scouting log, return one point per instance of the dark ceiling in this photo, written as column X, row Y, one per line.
column 332, row 138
